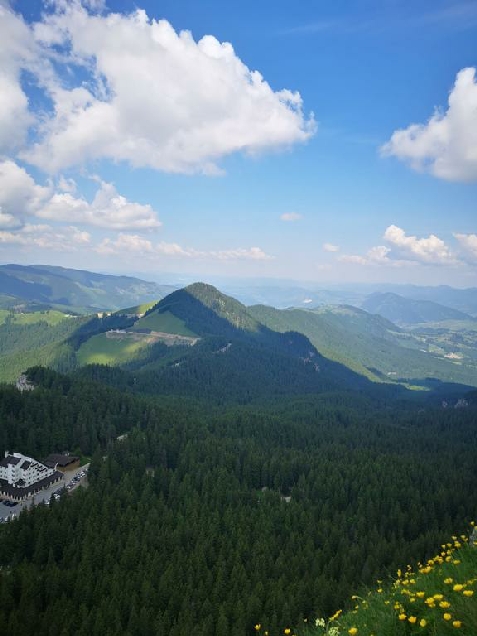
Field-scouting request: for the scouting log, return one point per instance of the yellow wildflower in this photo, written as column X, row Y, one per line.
column 447, row 616
column 444, row 604
column 412, row 619
column 456, row 624
column 287, row 631
column 402, row 617
column 258, row 627
column 468, row 592
column 422, row 622
column 458, row 587
column 352, row 631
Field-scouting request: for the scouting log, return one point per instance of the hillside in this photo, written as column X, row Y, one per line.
column 408, row 311
column 72, row 290
column 233, row 354
column 368, row 344
column 208, row 518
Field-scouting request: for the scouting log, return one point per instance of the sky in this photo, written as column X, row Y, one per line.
column 333, row 142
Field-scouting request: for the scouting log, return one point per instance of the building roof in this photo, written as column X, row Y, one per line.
column 18, row 491
column 9, row 459
column 25, row 465
column 62, row 460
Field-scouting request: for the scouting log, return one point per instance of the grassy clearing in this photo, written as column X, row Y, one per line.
column 439, row 598
column 50, row 316
column 165, row 322
column 137, row 309
column 109, row 351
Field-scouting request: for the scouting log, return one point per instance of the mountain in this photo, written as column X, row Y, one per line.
column 408, row 311
column 369, row 344
column 461, row 299
column 78, row 291
column 232, row 354
column 200, row 341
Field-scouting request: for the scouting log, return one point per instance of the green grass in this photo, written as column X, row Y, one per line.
column 438, row 599
column 50, row 316
column 137, row 309
column 165, row 322
column 109, row 351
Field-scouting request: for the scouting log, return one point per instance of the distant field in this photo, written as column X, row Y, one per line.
column 51, row 316
column 138, row 309
column 102, row 350
column 165, row 322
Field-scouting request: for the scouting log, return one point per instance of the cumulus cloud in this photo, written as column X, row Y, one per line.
column 353, row 258
column 447, row 145
column 108, row 209
column 426, row 250
column 153, row 97
column 65, row 239
column 16, row 52
column 469, row 243
column 329, row 247
column 21, row 196
column 133, row 243
column 377, row 255
column 290, row 216
column 124, row 243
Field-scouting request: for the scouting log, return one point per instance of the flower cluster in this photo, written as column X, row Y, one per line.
column 437, row 597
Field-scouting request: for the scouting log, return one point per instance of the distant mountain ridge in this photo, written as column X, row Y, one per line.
column 76, row 290
column 367, row 343
column 408, row 311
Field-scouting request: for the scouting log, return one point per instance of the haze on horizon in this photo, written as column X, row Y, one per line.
column 329, row 144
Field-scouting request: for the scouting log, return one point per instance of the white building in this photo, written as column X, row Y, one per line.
column 21, row 475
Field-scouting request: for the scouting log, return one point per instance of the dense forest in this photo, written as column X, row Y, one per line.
column 208, row 518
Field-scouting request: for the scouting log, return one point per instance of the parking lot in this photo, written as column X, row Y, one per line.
column 71, row 480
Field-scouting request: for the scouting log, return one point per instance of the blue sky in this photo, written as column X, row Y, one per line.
column 324, row 141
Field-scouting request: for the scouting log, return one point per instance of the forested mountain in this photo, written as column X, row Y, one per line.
column 327, row 347
column 209, row 519
column 369, row 344
column 73, row 290
column 407, row 311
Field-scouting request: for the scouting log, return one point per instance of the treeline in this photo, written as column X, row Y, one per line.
column 61, row 414
column 185, row 529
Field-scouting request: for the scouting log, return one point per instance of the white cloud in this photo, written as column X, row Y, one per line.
column 127, row 243
column 329, row 247
column 154, row 97
column 469, row 243
column 353, row 258
column 66, row 185
column 66, row 239
column 252, row 253
column 377, row 255
column 447, row 145
column 108, row 209
column 291, row 216
column 16, row 51
column 426, row 250
column 124, row 243
column 21, row 197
